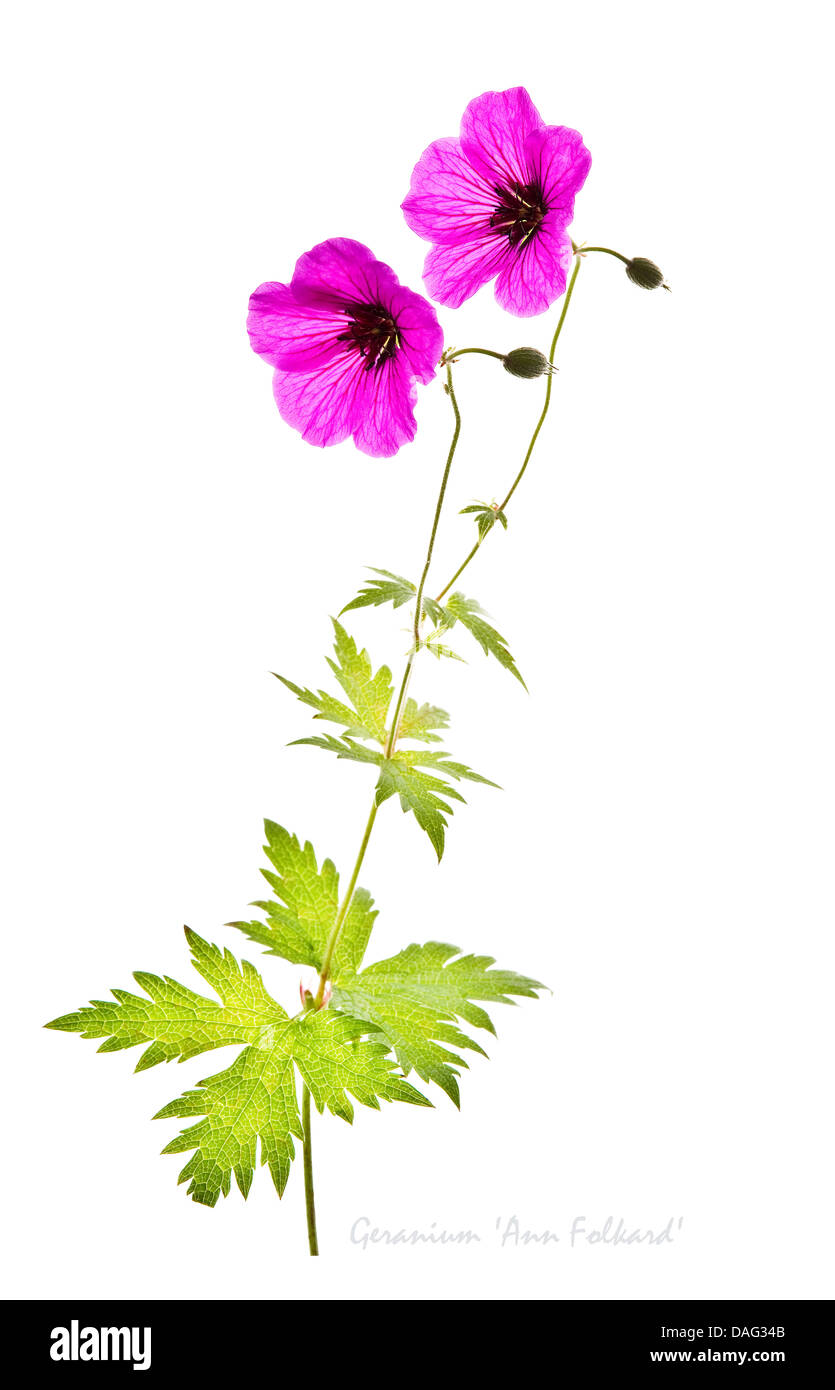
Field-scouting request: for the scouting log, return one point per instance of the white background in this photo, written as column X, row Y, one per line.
column 661, row 851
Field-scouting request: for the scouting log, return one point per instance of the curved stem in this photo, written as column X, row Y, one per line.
column 404, row 684
column 310, row 1205
column 606, row 250
column 462, row 352
column 540, row 422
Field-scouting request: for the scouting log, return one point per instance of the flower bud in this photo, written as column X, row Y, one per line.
column 645, row 273
column 527, row 362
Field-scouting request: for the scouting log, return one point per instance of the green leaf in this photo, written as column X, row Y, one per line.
column 302, row 915
column 342, row 747
column 467, row 612
column 438, row 649
column 436, row 613
column 415, row 997
column 425, row 795
column 255, row 1098
column 176, row 1022
column 441, row 762
column 369, row 692
column 486, row 517
column 329, row 708
column 418, row 793
column 418, row 721
column 392, row 588
column 334, row 1059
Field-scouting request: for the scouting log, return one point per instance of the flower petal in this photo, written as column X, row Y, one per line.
column 320, row 404
column 494, row 129
column 421, row 336
column 290, row 335
column 448, row 201
column 384, row 410
column 536, row 275
column 341, row 271
column 343, row 399
column 560, row 161
column 454, row 273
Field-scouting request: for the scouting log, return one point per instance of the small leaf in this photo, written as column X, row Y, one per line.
column 418, row 721
column 427, row 796
column 329, row 708
column 392, row 588
column 435, row 612
column 342, row 747
column 418, row 793
column 486, row 514
column 369, row 692
column 302, row 914
column 467, row 612
column 441, row 762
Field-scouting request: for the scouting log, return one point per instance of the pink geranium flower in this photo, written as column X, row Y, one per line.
column 348, row 343
column 497, row 202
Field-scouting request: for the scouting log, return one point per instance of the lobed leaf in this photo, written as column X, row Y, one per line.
column 369, row 692
column 254, row 1100
column 392, row 588
column 303, row 912
column 486, row 516
column 418, row 722
column 466, row 611
column 176, row 1022
column 415, row 997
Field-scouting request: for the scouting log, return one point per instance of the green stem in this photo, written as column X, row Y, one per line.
column 461, row 568
column 540, row 422
column 404, row 684
column 606, row 250
column 462, row 352
column 343, row 909
column 310, row 1205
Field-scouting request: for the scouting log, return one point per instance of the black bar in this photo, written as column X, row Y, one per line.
column 59, row 1338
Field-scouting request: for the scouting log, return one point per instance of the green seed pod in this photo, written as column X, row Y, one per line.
column 645, row 273
column 527, row 362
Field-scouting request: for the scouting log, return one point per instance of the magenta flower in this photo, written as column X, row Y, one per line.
column 348, row 343
column 497, row 202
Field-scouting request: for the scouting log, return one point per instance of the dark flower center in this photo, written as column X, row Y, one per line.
column 373, row 331
column 521, row 209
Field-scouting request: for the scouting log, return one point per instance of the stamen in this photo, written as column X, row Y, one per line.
column 520, row 211
column 373, row 331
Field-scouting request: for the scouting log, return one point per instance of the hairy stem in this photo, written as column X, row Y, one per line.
column 455, row 353
column 312, row 1238
column 407, row 674
column 606, row 251
column 540, row 422
column 344, row 907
